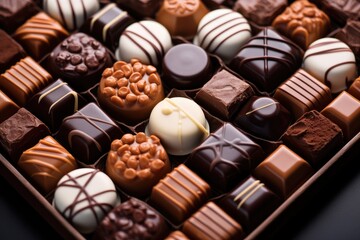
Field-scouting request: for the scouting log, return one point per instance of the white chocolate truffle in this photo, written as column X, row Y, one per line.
column 71, row 13
column 146, row 40
column 332, row 62
column 84, row 197
column 223, row 32
column 180, row 124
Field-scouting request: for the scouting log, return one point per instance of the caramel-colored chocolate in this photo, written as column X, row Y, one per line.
column 355, row 88
column 177, row 235
column 7, row 107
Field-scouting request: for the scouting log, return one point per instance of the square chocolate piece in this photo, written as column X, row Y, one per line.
column 180, row 194
column 20, row 132
column 314, row 137
column 267, row 60
column 225, row 158
column 224, row 94
column 283, row 171
column 250, row 203
column 88, row 133
column 7, row 107
column 354, row 89
column 344, row 110
column 302, row 93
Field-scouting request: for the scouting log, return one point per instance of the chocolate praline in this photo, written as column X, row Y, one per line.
column 11, row 51
column 140, row 8
column 350, row 35
column 354, row 89
column 7, row 107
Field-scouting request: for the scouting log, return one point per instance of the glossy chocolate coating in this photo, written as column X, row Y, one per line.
column 140, row 8
column 11, row 51
column 7, row 107
column 350, row 35
column 211, row 223
column 267, row 60
column 283, row 171
column 341, row 10
column 354, row 89
column 177, row 235
column 263, row 117
column 136, row 163
column 225, row 157
column 79, row 60
column 218, row 3
column 250, row 203
column 180, row 194
column 88, row 133
column 224, row 94
column 46, row 163
column 20, row 132
column 344, row 111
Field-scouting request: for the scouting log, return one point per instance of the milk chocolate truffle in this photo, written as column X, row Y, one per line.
column 146, row 40
column 46, row 163
column 71, row 14
column 136, row 163
column 222, row 32
column 267, row 60
column 20, row 132
column 7, row 107
column 23, row 80
column 350, row 35
column 302, row 93
column 332, row 62
column 186, row 125
column 263, row 117
column 84, row 197
column 79, row 60
column 303, row 23
column 141, row 8
column 129, row 91
column 212, row 223
column 11, row 51
column 344, row 110
column 341, row 10
column 355, row 88
column 225, row 158
column 261, row 12
column 186, row 66
column 224, row 94
column 88, row 133
column 181, row 17
column 177, row 235
column 39, row 35
column 283, row 171
column 250, row 203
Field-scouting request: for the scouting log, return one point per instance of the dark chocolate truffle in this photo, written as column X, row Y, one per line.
column 11, row 52
column 341, row 10
column 7, row 107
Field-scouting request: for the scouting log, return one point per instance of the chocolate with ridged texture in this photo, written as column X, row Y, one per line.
column 137, row 162
column 140, row 8
column 186, row 66
column 88, row 133
column 225, row 158
column 261, row 12
column 133, row 219
column 108, row 24
column 20, row 132
column 46, row 163
column 250, row 203
column 180, row 194
column 13, row 13
column 267, row 60
column 344, row 111
column 283, row 171
column 79, row 60
column 11, row 51
column 177, row 235
column 303, row 23
column 7, row 107
column 354, row 89
column 224, row 94
column 211, row 223
column 263, row 117
column 129, row 91
column 23, row 80
column 302, row 93
column 341, row 10
column 350, row 35
column 55, row 102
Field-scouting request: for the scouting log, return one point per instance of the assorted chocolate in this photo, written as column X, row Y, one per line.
column 7, row 107
column 11, row 51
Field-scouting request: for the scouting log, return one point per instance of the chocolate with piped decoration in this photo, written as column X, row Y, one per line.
column 11, row 51
column 354, row 89
column 79, row 60
column 141, row 8
column 344, row 111
column 224, row 94
column 177, row 235
column 133, row 219
column 267, row 60
column 129, row 91
column 137, row 162
column 186, row 66
column 46, row 163
column 211, row 223
column 250, row 203
column 283, row 171
column 20, row 132
column 179, row 194
column 350, row 35
column 7, row 107
column 88, row 133
column 225, row 158
column 263, row 117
